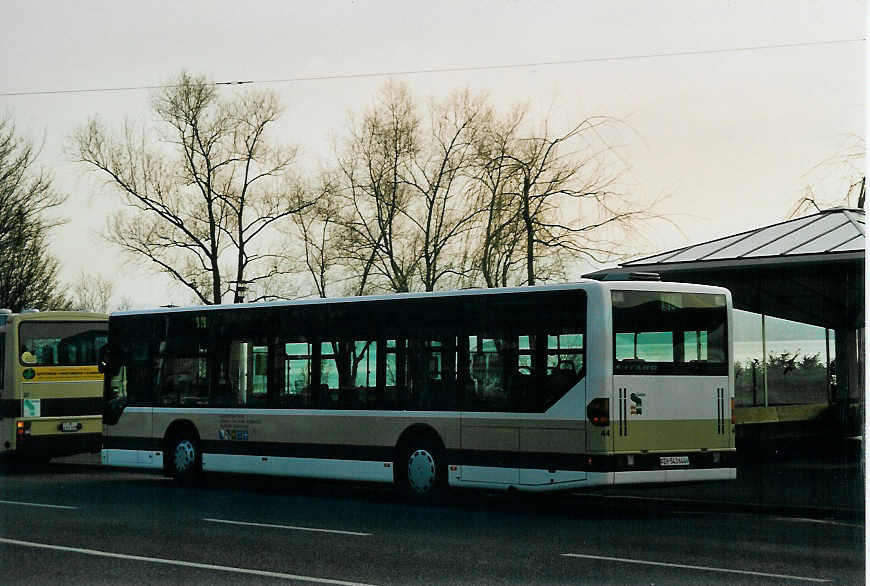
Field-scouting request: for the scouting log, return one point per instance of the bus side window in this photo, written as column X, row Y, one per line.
column 295, row 375
column 348, row 374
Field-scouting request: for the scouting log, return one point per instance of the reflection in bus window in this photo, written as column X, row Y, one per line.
column 348, row 373
column 669, row 333
column 61, row 344
column 295, row 392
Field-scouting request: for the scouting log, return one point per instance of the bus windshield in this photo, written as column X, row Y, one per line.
column 61, row 343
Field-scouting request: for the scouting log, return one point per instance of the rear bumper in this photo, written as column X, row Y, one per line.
column 58, row 445
column 663, row 462
column 661, row 476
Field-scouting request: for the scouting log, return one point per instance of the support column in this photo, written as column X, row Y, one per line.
column 848, row 373
column 764, row 358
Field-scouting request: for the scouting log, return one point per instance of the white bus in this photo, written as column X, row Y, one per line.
column 51, row 392
column 535, row 388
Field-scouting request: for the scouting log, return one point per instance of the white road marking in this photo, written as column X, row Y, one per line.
column 817, row 521
column 293, row 527
column 43, row 505
column 688, row 567
column 780, row 519
column 139, row 558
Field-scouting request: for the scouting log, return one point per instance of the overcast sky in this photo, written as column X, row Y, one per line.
column 732, row 137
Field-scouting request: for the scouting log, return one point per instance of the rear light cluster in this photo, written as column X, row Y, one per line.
column 598, row 412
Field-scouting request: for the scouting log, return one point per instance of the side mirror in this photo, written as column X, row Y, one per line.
column 102, row 359
column 113, row 410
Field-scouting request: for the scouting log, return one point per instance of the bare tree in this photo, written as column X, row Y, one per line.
column 92, row 292
column 499, row 236
column 28, row 273
column 327, row 256
column 843, row 176
column 202, row 203
column 404, row 180
column 377, row 198
column 547, row 205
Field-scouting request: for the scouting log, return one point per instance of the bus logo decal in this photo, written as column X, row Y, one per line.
column 233, row 434
column 637, row 407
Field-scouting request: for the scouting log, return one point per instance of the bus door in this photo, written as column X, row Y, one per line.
column 7, row 421
column 128, row 440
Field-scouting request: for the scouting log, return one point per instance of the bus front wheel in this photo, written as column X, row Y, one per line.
column 186, row 458
column 421, row 467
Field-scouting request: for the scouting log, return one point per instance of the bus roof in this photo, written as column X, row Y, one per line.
column 583, row 284
column 9, row 317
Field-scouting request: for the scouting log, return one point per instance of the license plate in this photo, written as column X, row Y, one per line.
column 70, row 426
column 674, row 461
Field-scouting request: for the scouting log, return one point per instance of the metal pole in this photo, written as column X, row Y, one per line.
column 764, row 358
column 828, row 365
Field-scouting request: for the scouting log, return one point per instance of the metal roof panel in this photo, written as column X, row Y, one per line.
column 827, row 241
column 778, row 238
column 837, row 230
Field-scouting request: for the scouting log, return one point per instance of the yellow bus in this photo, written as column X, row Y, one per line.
column 536, row 388
column 50, row 386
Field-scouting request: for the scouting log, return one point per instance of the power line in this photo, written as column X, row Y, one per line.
column 339, row 76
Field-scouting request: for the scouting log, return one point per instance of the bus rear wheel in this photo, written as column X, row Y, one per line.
column 185, row 458
column 422, row 473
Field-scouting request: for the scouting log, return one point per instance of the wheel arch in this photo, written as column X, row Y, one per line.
column 419, row 430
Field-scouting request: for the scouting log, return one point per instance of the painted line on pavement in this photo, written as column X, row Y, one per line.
column 688, row 567
column 817, row 521
column 292, row 527
column 42, row 505
column 139, row 558
column 778, row 519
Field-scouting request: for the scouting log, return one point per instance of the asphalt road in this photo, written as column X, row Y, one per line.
column 64, row 524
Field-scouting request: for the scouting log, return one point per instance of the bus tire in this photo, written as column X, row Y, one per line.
column 185, row 458
column 422, row 472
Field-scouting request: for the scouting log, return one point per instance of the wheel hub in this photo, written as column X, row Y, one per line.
column 421, row 471
column 185, row 455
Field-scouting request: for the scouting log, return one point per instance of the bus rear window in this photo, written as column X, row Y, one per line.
column 61, row 343
column 669, row 333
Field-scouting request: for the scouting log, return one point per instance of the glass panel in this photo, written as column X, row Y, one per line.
column 669, row 333
column 118, row 384
column 182, row 375
column 61, row 343
column 796, row 362
column 655, row 346
column 748, row 359
column 349, row 373
column 695, row 346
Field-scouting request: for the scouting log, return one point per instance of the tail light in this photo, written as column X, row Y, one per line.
column 598, row 412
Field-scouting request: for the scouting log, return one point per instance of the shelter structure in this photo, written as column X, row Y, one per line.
column 808, row 270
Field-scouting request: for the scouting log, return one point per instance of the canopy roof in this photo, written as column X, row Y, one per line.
column 809, row 269
column 837, row 234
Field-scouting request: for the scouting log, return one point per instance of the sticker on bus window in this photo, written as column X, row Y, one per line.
column 32, row 407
